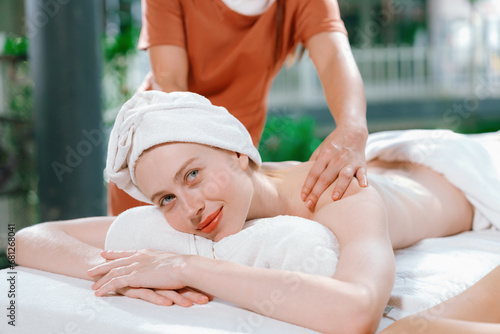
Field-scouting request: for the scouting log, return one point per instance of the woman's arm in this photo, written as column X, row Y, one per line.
column 73, row 247
column 320, row 303
column 66, row 247
column 342, row 152
column 351, row 302
column 366, row 259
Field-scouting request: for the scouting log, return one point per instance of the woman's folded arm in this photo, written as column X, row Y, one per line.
column 316, row 302
column 67, row 247
column 366, row 258
column 351, row 302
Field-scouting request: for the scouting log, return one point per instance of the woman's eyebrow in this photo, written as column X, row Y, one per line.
column 158, row 193
column 178, row 175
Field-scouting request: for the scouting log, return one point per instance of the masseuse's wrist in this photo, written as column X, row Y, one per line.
column 358, row 129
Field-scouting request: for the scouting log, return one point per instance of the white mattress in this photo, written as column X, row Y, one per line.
column 427, row 273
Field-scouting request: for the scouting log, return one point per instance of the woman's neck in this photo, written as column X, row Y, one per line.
column 271, row 196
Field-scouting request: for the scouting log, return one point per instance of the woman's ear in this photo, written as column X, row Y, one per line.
column 243, row 160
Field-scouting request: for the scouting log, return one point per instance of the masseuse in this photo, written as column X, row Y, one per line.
column 230, row 51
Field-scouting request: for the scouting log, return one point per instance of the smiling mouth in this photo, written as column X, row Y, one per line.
column 211, row 222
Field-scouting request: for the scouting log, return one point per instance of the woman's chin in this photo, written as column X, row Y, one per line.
column 218, row 237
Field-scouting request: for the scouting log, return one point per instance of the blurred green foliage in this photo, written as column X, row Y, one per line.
column 4, row 263
column 122, row 44
column 16, row 46
column 288, row 138
column 18, row 178
column 116, row 87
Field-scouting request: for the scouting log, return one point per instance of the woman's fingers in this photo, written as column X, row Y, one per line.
column 195, row 296
column 141, row 269
column 112, row 274
column 178, row 298
column 117, row 254
column 116, row 259
column 109, row 284
column 104, row 268
column 185, row 297
column 135, row 274
column 146, row 295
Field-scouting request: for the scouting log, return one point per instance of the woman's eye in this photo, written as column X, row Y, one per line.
column 191, row 175
column 167, row 199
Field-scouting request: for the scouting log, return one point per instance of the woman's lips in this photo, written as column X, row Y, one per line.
column 211, row 222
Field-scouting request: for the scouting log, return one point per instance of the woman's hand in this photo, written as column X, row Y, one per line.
column 185, row 297
column 342, row 156
column 131, row 273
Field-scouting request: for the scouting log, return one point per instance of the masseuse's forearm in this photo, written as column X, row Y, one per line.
column 169, row 64
column 341, row 80
column 345, row 95
column 49, row 247
column 320, row 303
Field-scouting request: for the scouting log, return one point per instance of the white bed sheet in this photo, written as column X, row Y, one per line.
column 427, row 273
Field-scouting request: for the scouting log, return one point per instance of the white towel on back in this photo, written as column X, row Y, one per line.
column 464, row 161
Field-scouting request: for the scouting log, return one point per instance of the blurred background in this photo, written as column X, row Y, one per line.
column 425, row 64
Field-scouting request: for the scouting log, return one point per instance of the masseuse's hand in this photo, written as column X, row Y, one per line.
column 146, row 274
column 342, row 156
column 146, row 84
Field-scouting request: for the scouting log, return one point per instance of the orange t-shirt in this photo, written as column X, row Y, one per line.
column 231, row 56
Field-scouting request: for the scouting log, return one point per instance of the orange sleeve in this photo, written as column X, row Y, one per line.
column 315, row 16
column 162, row 23
column 119, row 200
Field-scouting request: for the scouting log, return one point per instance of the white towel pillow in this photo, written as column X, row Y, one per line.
column 282, row 242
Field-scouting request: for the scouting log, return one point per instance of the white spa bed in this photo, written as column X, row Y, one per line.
column 427, row 273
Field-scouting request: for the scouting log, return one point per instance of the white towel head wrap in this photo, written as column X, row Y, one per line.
column 153, row 117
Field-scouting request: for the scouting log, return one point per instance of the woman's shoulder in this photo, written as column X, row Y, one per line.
column 293, row 178
column 296, row 174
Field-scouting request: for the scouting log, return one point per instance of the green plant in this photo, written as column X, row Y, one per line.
column 16, row 46
column 18, row 177
column 117, row 51
column 288, row 138
column 4, row 263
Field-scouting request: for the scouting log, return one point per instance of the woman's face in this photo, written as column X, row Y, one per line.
column 199, row 189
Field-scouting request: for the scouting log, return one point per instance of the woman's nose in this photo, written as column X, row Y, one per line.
column 194, row 205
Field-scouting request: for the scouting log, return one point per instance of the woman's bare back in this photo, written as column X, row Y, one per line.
column 420, row 203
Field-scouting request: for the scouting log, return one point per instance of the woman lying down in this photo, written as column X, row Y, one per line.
column 196, row 163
